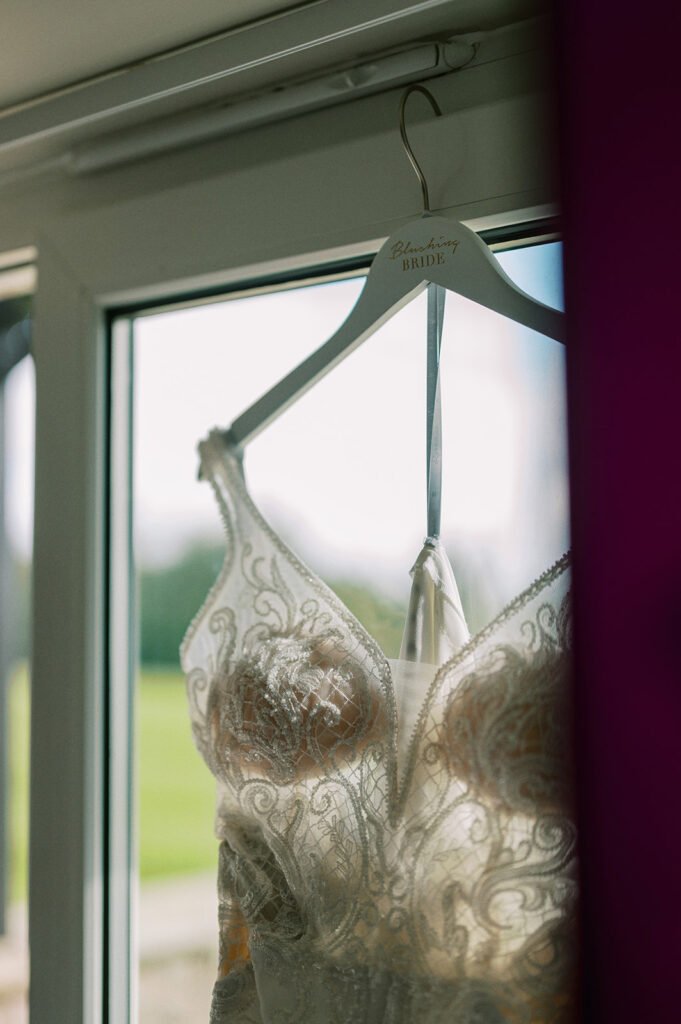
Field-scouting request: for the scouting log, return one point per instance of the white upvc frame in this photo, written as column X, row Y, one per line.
column 296, row 195
column 248, row 55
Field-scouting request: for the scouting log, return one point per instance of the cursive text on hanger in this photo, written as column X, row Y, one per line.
column 415, row 257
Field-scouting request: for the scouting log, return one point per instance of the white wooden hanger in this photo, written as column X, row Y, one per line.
column 432, row 249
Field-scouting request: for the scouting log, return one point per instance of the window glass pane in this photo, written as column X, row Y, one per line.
column 17, row 403
column 341, row 477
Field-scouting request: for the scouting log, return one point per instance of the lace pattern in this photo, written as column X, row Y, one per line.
column 349, row 891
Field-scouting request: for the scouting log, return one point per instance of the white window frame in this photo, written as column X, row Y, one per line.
column 301, row 194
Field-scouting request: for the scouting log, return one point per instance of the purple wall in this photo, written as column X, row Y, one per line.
column 620, row 106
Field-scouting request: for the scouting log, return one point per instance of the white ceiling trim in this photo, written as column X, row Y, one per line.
column 52, row 45
column 275, row 42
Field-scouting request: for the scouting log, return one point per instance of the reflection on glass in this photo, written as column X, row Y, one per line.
column 17, row 402
column 341, row 477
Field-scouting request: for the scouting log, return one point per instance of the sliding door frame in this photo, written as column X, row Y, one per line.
column 305, row 194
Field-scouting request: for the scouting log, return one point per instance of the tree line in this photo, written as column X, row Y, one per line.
column 169, row 597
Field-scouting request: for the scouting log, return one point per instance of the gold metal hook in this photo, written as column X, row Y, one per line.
column 405, row 141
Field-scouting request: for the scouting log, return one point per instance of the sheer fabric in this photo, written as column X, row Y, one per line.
column 396, row 839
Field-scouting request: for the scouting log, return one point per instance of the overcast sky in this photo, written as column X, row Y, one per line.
column 342, row 473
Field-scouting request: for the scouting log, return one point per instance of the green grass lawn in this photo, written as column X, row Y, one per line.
column 18, row 782
column 175, row 790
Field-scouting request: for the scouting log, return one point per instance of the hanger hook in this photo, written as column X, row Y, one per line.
column 405, row 141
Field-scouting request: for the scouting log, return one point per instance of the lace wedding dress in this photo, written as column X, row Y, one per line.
column 396, row 838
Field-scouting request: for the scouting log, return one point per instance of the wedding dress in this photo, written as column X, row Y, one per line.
column 397, row 845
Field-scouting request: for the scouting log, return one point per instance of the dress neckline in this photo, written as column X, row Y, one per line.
column 216, row 448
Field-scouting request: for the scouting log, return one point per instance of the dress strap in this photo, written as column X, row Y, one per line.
column 436, row 308
column 436, row 625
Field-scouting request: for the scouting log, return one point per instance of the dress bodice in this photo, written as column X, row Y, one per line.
column 396, row 839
